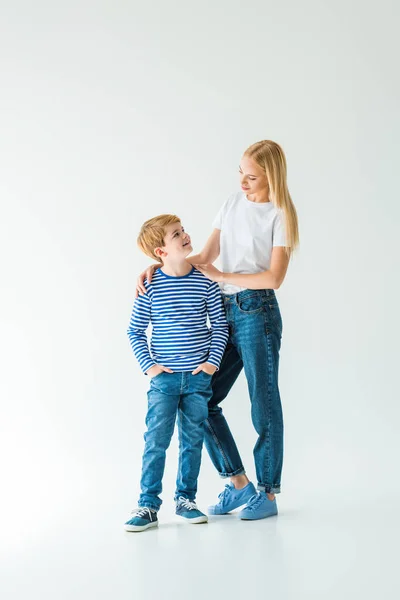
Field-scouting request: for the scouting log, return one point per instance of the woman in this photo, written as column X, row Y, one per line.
column 255, row 232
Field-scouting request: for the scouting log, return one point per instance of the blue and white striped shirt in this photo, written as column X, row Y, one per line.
column 177, row 308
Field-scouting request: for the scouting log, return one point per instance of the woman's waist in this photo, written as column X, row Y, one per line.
column 267, row 294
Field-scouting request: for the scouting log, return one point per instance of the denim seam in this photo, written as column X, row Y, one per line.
column 276, row 327
column 180, row 438
column 269, row 401
column 218, row 444
column 274, row 488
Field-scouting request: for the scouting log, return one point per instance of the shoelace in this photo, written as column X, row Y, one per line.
column 187, row 503
column 224, row 493
column 141, row 512
column 254, row 502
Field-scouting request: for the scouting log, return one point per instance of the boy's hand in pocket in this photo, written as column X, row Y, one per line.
column 206, row 367
column 156, row 370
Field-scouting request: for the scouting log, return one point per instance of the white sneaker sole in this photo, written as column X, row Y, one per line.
column 196, row 520
column 250, row 518
column 140, row 527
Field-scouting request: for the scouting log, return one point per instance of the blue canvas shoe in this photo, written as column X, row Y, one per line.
column 232, row 498
column 140, row 519
column 259, row 507
column 188, row 510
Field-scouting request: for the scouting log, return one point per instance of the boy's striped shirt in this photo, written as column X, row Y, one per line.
column 177, row 308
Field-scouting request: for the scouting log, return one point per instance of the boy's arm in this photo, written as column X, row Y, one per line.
column 219, row 325
column 139, row 322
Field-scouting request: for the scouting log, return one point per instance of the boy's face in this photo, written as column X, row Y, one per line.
column 177, row 243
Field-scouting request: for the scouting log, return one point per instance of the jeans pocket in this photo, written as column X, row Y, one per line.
column 251, row 304
column 202, row 381
column 157, row 376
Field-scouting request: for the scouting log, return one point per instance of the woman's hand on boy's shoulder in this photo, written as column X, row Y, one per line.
column 206, row 367
column 147, row 274
column 210, row 272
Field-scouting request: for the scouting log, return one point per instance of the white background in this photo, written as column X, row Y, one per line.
column 111, row 113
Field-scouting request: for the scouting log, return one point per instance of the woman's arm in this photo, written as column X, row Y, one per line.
column 271, row 279
column 210, row 251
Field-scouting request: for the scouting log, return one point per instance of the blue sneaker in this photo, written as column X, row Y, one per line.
column 140, row 519
column 188, row 510
column 259, row 507
column 232, row 498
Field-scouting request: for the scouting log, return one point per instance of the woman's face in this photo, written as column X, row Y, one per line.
column 252, row 178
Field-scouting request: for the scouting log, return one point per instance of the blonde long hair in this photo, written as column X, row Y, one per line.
column 271, row 158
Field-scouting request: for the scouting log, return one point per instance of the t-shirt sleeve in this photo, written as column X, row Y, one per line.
column 217, row 223
column 219, row 219
column 278, row 233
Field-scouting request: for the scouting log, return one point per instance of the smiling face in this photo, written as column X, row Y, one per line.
column 177, row 243
column 253, row 179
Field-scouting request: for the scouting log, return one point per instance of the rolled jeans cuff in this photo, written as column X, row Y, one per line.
column 240, row 471
column 148, row 505
column 269, row 489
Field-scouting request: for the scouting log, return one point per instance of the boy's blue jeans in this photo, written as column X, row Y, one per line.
column 255, row 338
column 172, row 396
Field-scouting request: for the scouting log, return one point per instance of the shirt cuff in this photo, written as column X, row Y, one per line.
column 147, row 365
column 213, row 361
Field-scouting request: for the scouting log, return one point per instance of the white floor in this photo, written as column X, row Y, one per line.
column 344, row 548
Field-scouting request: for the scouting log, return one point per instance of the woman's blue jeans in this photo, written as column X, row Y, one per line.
column 255, row 338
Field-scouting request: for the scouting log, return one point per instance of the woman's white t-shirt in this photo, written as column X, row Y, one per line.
column 249, row 231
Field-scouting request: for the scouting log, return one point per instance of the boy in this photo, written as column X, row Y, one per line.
column 184, row 354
